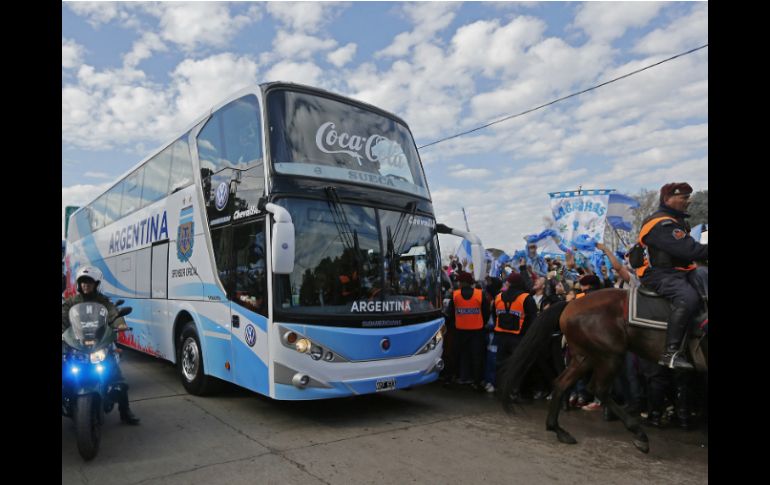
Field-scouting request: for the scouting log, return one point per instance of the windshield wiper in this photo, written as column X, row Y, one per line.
column 344, row 228
column 395, row 244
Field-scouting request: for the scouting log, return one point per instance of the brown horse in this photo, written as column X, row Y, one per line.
column 598, row 335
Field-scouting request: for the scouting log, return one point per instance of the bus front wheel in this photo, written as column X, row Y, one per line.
column 190, row 363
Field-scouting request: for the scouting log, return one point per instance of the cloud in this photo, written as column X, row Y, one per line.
column 304, row 16
column 488, row 47
column 461, row 172
column 297, row 45
column 143, row 49
column 97, row 13
column 343, row 55
column 112, row 108
column 607, row 21
column 298, row 72
column 201, row 23
column 686, row 32
column 201, row 83
column 428, row 19
column 98, row 175
column 71, row 53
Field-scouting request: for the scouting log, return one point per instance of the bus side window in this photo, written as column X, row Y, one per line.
column 132, row 194
column 157, row 171
column 181, row 166
column 250, row 267
column 112, row 204
column 97, row 213
column 209, row 144
column 242, row 132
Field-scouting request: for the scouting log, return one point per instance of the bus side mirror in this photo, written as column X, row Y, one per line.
column 283, row 247
column 283, row 238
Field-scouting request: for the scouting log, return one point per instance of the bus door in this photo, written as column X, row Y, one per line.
column 248, row 305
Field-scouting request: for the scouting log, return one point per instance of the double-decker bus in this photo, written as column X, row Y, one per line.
column 285, row 242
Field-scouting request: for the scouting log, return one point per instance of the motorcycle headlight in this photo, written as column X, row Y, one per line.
column 98, row 356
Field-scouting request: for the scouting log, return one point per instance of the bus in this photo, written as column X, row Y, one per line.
column 285, row 242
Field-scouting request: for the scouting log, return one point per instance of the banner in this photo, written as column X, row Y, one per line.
column 580, row 217
column 620, row 211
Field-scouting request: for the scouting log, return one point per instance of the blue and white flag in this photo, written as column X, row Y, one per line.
column 580, row 217
column 463, row 254
column 620, row 211
column 546, row 243
column 497, row 265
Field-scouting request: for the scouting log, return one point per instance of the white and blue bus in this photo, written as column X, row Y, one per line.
column 286, row 243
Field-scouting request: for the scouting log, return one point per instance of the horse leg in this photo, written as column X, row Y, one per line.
column 577, row 367
column 604, row 373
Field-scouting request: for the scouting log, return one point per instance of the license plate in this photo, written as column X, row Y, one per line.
column 385, row 385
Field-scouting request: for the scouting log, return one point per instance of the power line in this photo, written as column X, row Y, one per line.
column 563, row 98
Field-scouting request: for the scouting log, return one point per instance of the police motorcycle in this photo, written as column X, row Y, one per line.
column 88, row 366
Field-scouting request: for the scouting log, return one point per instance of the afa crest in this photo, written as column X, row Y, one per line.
column 185, row 235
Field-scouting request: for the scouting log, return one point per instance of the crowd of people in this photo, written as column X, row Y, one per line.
column 487, row 319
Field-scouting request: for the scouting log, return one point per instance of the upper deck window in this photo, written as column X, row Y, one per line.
column 321, row 137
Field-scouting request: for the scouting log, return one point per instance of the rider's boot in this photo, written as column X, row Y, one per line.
column 672, row 357
column 126, row 415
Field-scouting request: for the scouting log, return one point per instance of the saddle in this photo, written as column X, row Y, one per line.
column 650, row 310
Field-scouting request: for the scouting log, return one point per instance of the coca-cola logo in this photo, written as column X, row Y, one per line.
column 375, row 148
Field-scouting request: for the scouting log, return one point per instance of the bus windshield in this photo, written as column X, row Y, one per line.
column 352, row 260
column 320, row 137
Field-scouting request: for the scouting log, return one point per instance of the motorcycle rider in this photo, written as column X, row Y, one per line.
column 87, row 281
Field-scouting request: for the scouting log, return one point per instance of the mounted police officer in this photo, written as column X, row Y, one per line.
column 670, row 270
column 87, row 281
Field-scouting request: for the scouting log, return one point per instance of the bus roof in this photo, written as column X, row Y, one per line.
column 263, row 87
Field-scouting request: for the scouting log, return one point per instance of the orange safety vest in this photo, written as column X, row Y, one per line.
column 645, row 230
column 468, row 312
column 516, row 308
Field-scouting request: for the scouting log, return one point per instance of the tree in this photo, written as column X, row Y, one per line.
column 699, row 208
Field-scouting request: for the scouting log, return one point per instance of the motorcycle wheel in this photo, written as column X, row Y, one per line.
column 88, row 426
column 190, row 363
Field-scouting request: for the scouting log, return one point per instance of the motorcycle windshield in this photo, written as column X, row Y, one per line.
column 89, row 322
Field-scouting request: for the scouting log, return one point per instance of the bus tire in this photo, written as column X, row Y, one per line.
column 190, row 363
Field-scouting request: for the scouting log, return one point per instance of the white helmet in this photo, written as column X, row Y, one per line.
column 88, row 272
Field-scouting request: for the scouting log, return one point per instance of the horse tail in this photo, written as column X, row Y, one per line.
column 515, row 368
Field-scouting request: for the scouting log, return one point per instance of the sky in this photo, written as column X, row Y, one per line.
column 135, row 74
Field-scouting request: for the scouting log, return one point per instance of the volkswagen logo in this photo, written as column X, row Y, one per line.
column 251, row 335
column 221, row 196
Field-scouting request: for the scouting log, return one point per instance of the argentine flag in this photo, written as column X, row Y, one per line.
column 463, row 254
column 620, row 213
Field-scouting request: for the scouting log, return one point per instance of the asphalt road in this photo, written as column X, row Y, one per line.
column 425, row 435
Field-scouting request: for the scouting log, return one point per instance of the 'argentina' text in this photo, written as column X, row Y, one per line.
column 146, row 231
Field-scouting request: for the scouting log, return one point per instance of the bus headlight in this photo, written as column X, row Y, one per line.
column 302, row 345
column 98, row 356
column 434, row 341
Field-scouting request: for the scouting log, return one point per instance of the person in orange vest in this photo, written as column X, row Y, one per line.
column 669, row 268
column 468, row 311
column 514, row 310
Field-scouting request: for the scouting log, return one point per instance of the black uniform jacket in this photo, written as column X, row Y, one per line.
column 669, row 243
